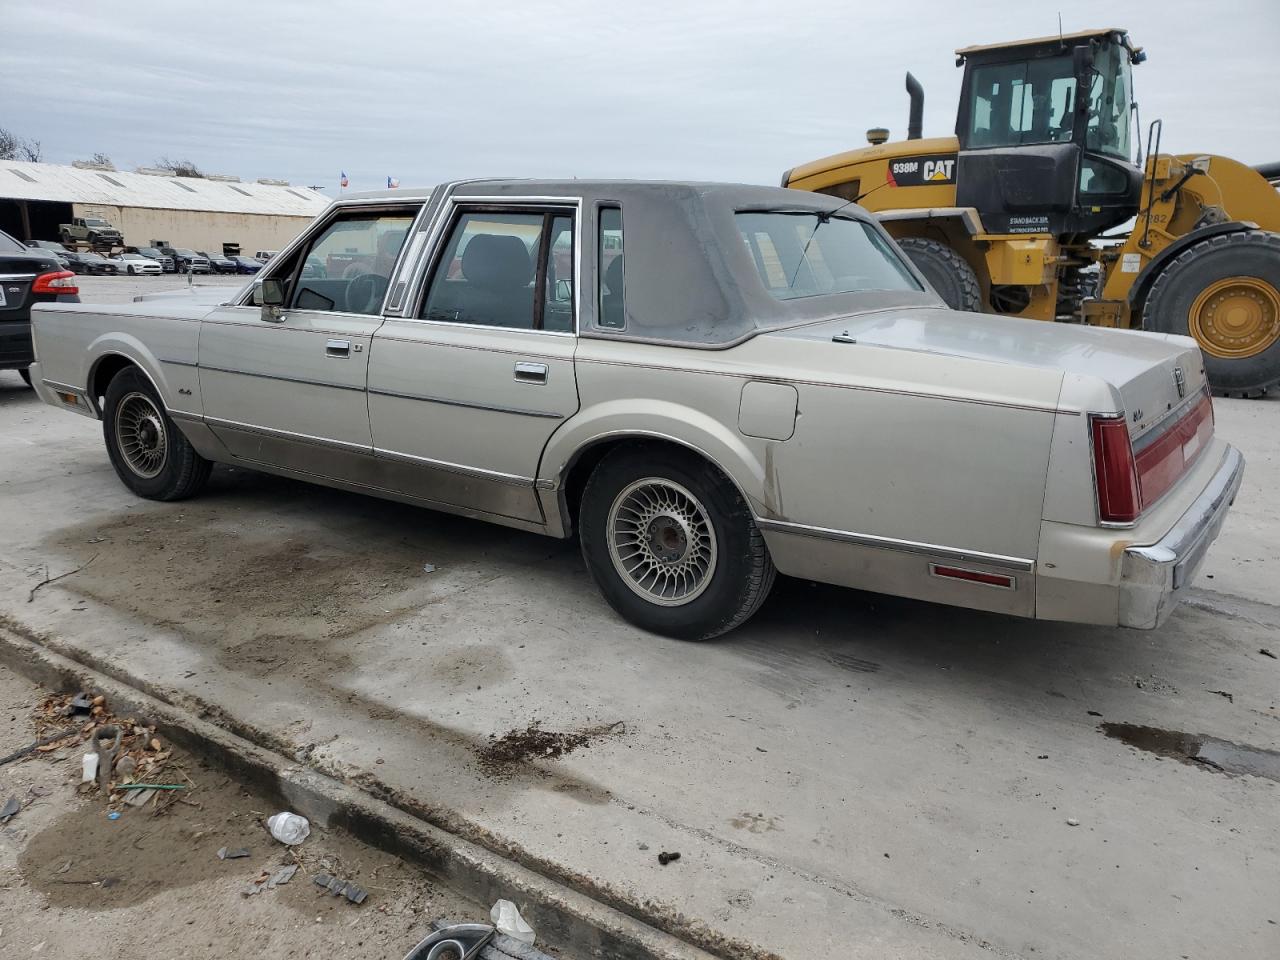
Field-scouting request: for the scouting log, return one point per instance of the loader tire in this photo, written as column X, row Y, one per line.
column 947, row 272
column 1224, row 292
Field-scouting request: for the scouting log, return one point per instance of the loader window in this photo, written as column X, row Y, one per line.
column 1110, row 102
column 1022, row 102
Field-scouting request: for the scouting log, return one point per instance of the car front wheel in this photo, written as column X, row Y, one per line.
column 671, row 544
column 149, row 453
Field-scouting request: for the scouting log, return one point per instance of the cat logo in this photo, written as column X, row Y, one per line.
column 921, row 171
column 939, row 170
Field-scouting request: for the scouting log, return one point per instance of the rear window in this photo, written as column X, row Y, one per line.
column 10, row 245
column 801, row 254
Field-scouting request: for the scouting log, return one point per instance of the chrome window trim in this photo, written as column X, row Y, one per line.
column 517, row 411
column 439, row 225
column 1020, row 564
column 273, row 376
column 375, row 319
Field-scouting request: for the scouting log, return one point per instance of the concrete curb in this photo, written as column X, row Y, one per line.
column 573, row 921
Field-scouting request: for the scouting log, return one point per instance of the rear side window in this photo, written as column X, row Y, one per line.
column 802, row 254
column 610, row 308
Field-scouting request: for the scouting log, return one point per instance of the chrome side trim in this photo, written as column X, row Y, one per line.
column 287, row 434
column 17, row 276
column 184, row 415
column 373, row 318
column 272, row 376
column 517, row 411
column 773, row 377
column 902, row 546
column 477, row 472
column 387, row 338
column 178, row 363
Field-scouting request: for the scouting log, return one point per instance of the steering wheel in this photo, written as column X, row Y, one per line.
column 365, row 292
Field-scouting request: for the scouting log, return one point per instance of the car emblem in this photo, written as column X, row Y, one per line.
column 1180, row 381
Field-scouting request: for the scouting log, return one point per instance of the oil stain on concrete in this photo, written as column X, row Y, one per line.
column 1199, row 750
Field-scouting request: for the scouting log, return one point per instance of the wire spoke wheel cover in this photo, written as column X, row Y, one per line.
column 1236, row 317
column 661, row 541
column 141, row 435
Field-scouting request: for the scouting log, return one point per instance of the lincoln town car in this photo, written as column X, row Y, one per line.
column 705, row 384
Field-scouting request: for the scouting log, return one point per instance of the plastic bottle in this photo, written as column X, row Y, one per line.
column 289, row 828
column 507, row 919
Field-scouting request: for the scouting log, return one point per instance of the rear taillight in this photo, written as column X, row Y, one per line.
column 1119, row 498
column 60, row 281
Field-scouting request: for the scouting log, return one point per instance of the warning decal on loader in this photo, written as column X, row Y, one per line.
column 922, row 171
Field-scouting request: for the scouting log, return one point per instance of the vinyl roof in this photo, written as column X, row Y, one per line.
column 47, row 181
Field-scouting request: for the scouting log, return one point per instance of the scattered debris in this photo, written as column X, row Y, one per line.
column 1267, row 653
column 664, row 858
column 1072, row 822
column 428, row 568
column 150, row 786
column 1094, row 713
column 1042, row 756
column 113, row 815
column 341, row 888
column 80, row 703
column 30, row 748
column 289, row 828
column 48, row 579
column 106, row 740
column 126, row 767
column 232, row 853
column 139, row 798
column 506, row 917
column 460, row 940
column 1222, row 693
column 644, row 846
column 515, row 747
column 10, row 809
column 282, row 876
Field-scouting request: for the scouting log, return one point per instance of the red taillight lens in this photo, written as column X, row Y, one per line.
column 1119, row 500
column 60, row 281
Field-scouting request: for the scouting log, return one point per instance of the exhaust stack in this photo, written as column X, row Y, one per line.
column 915, row 119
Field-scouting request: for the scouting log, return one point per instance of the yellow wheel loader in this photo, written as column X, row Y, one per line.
column 1011, row 214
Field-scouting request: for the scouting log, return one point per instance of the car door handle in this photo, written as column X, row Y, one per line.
column 337, row 348
column 531, row 372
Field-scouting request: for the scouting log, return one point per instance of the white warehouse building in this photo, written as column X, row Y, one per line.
column 214, row 214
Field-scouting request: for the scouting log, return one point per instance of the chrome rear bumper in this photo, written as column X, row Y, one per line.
column 1153, row 576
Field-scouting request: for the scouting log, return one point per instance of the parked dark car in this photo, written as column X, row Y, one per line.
column 246, row 264
column 32, row 275
column 155, row 253
column 218, row 263
column 53, row 248
column 94, row 263
column 187, row 261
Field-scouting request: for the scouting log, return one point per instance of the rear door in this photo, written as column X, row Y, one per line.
column 290, row 391
column 466, row 388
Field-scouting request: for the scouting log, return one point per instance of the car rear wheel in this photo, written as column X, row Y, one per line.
column 148, row 452
column 671, row 544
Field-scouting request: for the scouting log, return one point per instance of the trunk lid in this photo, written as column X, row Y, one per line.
column 17, row 272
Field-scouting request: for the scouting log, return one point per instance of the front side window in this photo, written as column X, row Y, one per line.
column 804, row 254
column 348, row 266
column 1030, row 101
column 1110, row 102
column 609, row 306
column 505, row 268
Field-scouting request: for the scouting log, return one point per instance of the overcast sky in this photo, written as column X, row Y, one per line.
column 714, row 90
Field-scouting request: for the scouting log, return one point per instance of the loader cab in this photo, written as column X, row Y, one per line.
column 1046, row 134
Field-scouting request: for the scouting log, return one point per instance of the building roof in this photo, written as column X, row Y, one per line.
column 47, row 181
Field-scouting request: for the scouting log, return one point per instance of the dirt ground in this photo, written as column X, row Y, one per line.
column 75, row 883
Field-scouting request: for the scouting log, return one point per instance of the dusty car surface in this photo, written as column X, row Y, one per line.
column 705, row 383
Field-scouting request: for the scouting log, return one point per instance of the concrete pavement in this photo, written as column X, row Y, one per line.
column 847, row 776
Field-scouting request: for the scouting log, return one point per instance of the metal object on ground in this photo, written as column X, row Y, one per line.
column 460, row 941
column 341, row 888
column 106, row 753
column 227, row 853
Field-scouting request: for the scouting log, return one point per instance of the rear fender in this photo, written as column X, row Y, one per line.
column 129, row 347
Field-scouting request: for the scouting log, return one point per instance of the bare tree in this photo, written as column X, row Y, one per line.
column 179, row 168
column 29, row 150
column 14, row 147
column 101, row 160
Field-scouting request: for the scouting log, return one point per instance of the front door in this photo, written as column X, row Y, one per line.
column 464, row 394
column 289, row 390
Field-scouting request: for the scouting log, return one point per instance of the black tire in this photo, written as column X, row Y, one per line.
column 25, row 374
column 947, row 272
column 179, row 472
column 737, row 578
column 65, row 238
column 1250, row 254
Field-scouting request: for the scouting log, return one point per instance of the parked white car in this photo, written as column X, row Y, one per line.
column 706, row 384
column 135, row 264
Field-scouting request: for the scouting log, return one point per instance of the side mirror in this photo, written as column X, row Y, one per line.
column 268, row 292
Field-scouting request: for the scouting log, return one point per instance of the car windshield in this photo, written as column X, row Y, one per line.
column 807, row 254
column 185, row 253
